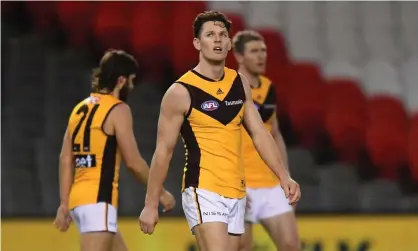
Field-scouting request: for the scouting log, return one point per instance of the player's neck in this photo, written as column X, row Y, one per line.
column 210, row 70
column 252, row 78
column 113, row 93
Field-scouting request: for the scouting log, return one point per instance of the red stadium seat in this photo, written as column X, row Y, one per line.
column 301, row 75
column 305, row 102
column 43, row 13
column 287, row 79
column 76, row 18
column 387, row 109
column 345, row 116
column 148, row 37
column 387, row 148
column 306, row 113
column 112, row 24
column 413, row 147
column 387, row 134
column 277, row 51
column 281, row 80
column 238, row 24
column 184, row 55
column 303, row 72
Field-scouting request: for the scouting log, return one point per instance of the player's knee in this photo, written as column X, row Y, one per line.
column 291, row 244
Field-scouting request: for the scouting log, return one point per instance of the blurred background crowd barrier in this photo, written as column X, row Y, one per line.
column 346, row 76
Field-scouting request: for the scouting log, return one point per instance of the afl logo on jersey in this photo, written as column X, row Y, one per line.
column 209, row 105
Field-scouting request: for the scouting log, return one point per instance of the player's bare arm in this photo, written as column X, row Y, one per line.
column 266, row 146
column 262, row 139
column 66, row 162
column 174, row 106
column 121, row 122
column 277, row 136
column 66, row 168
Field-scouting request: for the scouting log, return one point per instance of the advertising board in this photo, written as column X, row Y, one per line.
column 373, row 233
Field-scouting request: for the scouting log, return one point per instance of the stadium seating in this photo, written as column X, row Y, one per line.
column 303, row 31
column 344, row 118
column 42, row 14
column 77, row 19
column 111, row 27
column 306, row 102
column 184, row 55
column 346, row 71
column 342, row 37
column 413, row 148
column 339, row 181
column 148, row 36
column 265, row 18
column 410, row 73
column 386, row 133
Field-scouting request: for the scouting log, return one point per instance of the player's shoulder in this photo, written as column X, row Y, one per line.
column 185, row 78
column 177, row 90
column 177, row 98
column 119, row 113
column 121, row 107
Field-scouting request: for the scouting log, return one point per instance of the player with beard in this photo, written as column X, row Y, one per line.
column 267, row 202
column 208, row 106
column 98, row 135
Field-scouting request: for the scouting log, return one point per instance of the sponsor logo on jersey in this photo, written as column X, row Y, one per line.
column 235, row 102
column 210, row 105
column 85, row 160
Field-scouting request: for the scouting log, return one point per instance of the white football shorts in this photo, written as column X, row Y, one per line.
column 99, row 217
column 201, row 206
column 266, row 203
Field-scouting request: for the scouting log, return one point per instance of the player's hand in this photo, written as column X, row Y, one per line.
column 148, row 219
column 167, row 200
column 291, row 189
column 294, row 205
column 63, row 219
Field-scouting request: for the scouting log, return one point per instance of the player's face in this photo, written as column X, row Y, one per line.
column 127, row 88
column 214, row 42
column 255, row 56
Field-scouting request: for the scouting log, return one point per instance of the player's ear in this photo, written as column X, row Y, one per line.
column 229, row 45
column 196, row 43
column 121, row 82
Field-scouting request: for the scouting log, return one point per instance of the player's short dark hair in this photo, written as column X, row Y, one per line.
column 207, row 16
column 114, row 64
column 243, row 37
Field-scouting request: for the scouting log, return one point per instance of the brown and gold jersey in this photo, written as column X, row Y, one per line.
column 257, row 173
column 211, row 133
column 96, row 156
